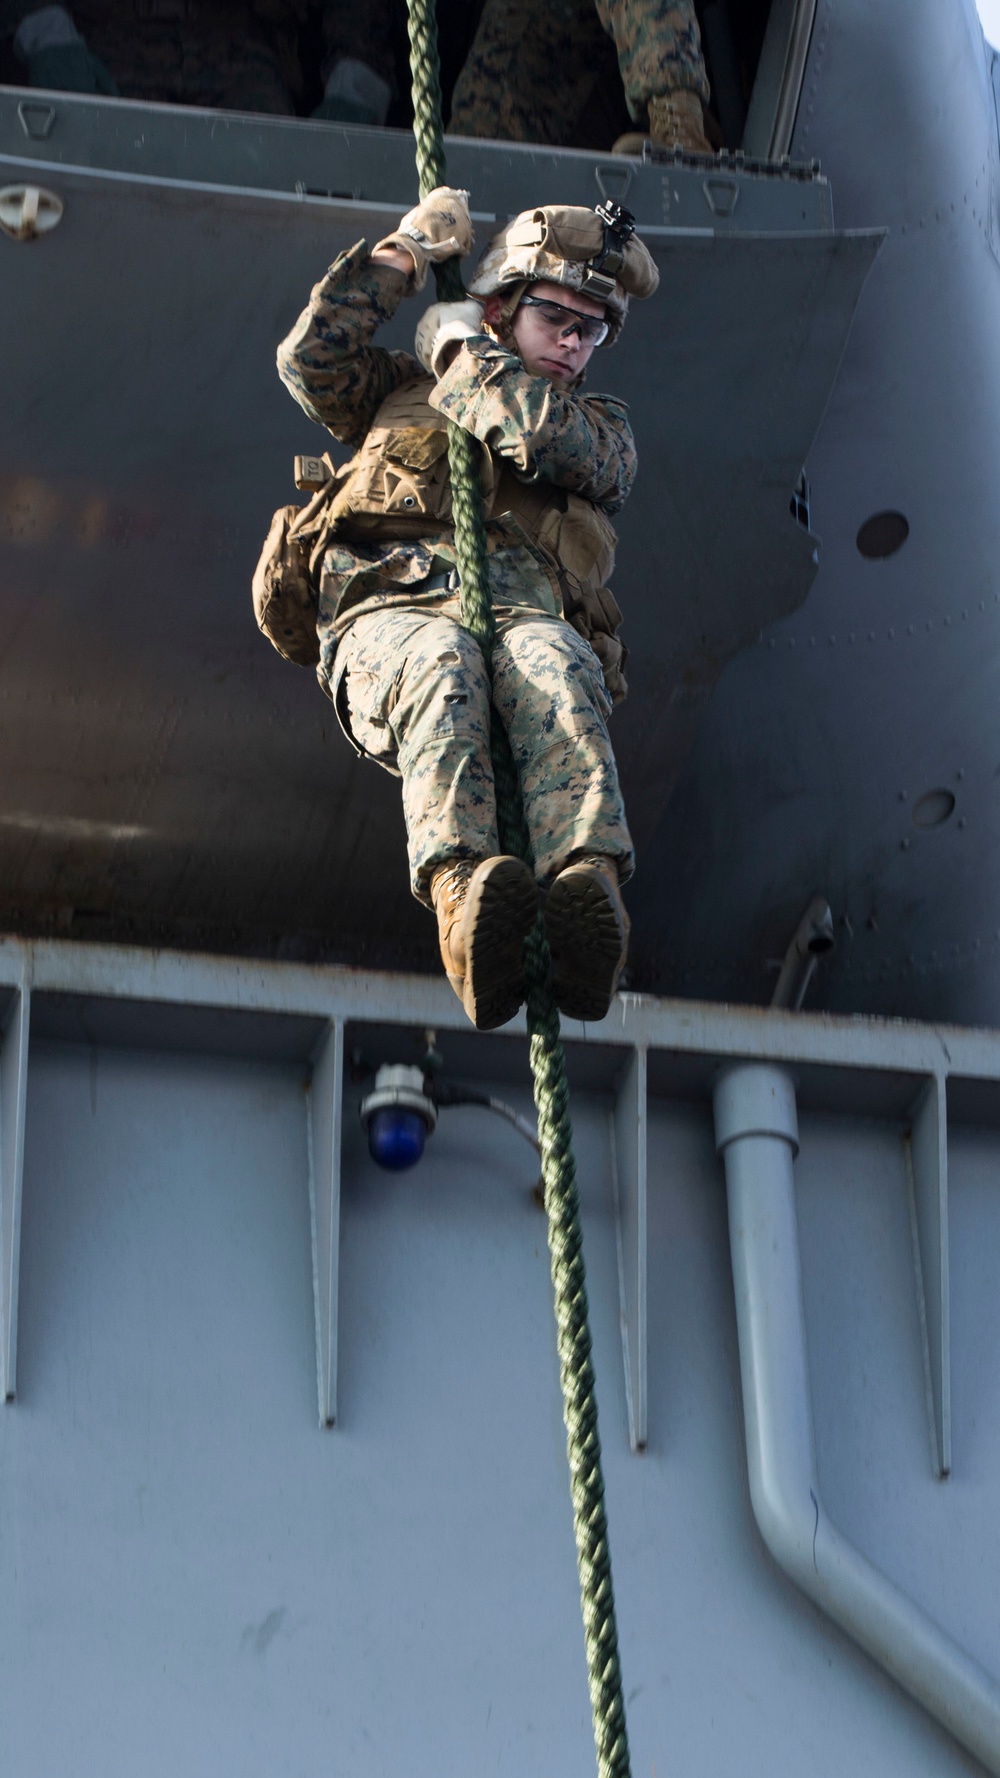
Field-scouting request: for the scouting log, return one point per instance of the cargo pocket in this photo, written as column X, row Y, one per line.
column 364, row 702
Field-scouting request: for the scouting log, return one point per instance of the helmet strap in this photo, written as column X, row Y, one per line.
column 504, row 329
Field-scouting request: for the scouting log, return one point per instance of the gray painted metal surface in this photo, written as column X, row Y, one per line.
column 219, row 1583
column 211, row 798
column 778, row 82
column 821, row 741
column 13, row 1089
column 927, row 1162
column 756, row 1130
column 297, row 157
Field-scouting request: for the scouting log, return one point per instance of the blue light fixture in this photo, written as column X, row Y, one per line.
column 396, row 1138
column 398, row 1116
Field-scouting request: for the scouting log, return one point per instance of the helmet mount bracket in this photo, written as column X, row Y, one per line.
column 619, row 227
column 597, row 285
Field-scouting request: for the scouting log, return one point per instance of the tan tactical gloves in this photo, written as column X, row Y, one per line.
column 446, row 325
column 438, row 228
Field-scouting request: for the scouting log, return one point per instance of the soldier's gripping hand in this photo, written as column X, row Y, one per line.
column 439, row 228
column 441, row 330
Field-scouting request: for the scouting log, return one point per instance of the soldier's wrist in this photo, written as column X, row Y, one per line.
column 398, row 258
column 408, row 253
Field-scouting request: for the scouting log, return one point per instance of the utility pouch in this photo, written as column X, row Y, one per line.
column 415, row 474
column 579, row 542
column 612, row 654
column 594, row 613
column 400, row 484
column 586, row 543
column 286, row 579
column 586, row 550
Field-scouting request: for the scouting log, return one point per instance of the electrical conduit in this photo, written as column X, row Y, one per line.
column 756, row 1132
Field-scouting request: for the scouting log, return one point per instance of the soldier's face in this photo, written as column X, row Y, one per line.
column 548, row 351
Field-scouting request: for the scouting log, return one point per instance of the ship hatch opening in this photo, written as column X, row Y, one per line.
column 754, row 54
column 150, row 441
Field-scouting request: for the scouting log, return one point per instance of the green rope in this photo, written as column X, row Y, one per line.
column 548, row 1062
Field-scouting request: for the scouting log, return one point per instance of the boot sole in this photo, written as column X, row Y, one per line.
column 501, row 908
column 587, row 946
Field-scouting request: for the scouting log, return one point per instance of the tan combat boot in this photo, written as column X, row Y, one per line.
column 485, row 912
column 676, row 120
column 587, row 929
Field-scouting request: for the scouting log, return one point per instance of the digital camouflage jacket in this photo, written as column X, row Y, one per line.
column 581, row 444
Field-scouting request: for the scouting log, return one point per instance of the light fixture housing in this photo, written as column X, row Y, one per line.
column 398, row 1116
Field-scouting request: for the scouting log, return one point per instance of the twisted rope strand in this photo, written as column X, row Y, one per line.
column 548, row 1062
column 428, row 112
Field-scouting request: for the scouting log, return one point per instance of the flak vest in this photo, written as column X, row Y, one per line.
column 396, row 488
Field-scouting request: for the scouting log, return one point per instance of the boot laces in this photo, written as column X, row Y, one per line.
column 448, row 891
column 451, row 881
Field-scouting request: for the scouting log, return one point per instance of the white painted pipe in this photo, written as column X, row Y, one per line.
column 757, row 1133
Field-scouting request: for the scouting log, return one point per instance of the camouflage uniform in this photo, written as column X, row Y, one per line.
column 531, row 69
column 428, row 718
column 224, row 53
column 240, row 55
column 407, row 679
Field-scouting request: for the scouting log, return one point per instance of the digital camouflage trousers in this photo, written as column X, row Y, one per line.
column 242, row 55
column 413, row 689
column 531, row 68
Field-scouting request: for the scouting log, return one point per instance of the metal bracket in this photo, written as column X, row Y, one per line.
column 13, row 1097
column 629, row 1184
column 721, row 194
column 926, row 1148
column 620, row 175
column 36, row 119
column 325, row 1124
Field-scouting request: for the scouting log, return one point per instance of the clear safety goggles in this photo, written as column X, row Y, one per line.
column 592, row 329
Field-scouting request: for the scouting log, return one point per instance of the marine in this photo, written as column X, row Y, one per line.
column 531, row 70
column 408, row 681
column 243, row 55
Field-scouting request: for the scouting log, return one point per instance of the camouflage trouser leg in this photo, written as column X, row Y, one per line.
column 531, row 68
column 215, row 56
column 659, row 48
column 417, row 698
column 530, row 71
column 414, row 688
column 550, row 692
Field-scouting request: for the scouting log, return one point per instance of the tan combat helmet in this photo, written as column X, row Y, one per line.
column 594, row 251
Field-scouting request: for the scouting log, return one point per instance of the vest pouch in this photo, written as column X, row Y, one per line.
column 593, row 612
column 416, row 447
column 586, row 552
column 415, row 480
column 286, row 579
column 586, row 543
column 612, row 654
column 416, row 475
column 284, row 601
column 399, row 485
column 602, row 608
